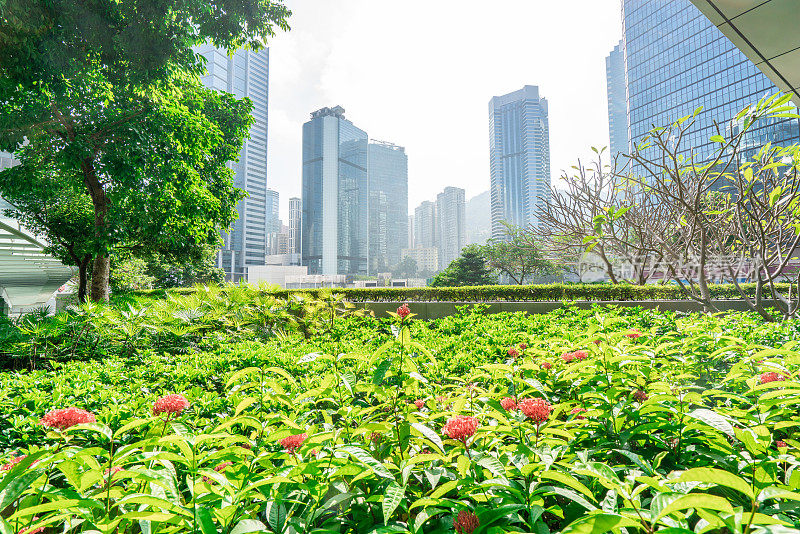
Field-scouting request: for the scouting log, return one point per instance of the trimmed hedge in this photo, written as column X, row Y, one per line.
column 532, row 293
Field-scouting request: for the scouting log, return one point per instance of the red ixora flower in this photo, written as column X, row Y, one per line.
column 640, row 395
column 781, row 444
column 537, row 410
column 513, row 352
column 596, row 341
column 523, row 346
column 465, row 522
column 508, row 404
column 12, row 462
column 222, row 466
column 292, row 443
column 581, row 354
column 633, row 334
column 63, row 418
column 568, row 357
column 461, row 427
column 577, row 411
column 171, row 404
column 547, row 365
column 404, row 311
column 771, row 377
column 419, row 403
column 29, row 530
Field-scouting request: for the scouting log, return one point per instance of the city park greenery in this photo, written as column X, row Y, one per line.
column 237, row 411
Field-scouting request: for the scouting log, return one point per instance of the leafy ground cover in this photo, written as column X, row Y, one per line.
column 241, row 415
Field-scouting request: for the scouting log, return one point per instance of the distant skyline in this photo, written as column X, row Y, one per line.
column 420, row 74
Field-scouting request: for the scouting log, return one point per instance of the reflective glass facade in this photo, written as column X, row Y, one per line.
column 451, row 224
column 295, row 224
column 676, row 60
column 273, row 221
column 519, row 158
column 245, row 74
column 388, row 190
column 335, row 195
column 617, row 105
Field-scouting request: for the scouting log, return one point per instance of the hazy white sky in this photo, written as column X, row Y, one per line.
column 420, row 73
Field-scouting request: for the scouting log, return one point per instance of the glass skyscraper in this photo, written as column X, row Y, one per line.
column 273, row 221
column 450, row 222
column 245, row 74
column 617, row 105
column 335, row 194
column 676, row 60
column 388, row 196
column 519, row 158
column 295, row 224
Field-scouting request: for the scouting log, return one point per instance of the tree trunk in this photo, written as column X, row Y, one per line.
column 83, row 278
column 101, row 269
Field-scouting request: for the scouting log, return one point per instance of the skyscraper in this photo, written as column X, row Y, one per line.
column 450, row 218
column 617, row 103
column 335, row 194
column 519, row 158
column 245, row 73
column 388, row 190
column 273, row 224
column 676, row 60
column 425, row 230
column 295, row 224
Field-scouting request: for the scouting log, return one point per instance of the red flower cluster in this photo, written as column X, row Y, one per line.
column 771, row 377
column 537, row 410
column 640, row 395
column 465, row 522
column 633, row 334
column 513, row 352
column 171, row 404
column 292, row 443
column 12, row 462
column 523, row 346
column 581, row 354
column 461, row 427
column 63, row 418
column 404, row 311
column 781, row 444
column 419, row 403
column 29, row 530
column 222, row 466
column 567, row 357
column 508, row 404
column 547, row 365
column 577, row 411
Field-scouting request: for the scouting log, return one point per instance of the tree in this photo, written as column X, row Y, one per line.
column 108, row 93
column 518, row 256
column 407, row 268
column 469, row 269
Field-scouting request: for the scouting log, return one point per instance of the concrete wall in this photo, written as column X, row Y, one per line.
column 437, row 310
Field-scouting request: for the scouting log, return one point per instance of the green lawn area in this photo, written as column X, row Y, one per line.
column 574, row 421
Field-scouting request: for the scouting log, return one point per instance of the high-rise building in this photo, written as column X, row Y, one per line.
column 425, row 230
column 676, row 60
column 410, row 240
column 245, row 73
column 617, row 103
column 479, row 219
column 450, row 218
column 519, row 158
column 335, row 194
column 295, row 224
column 273, row 224
column 388, row 193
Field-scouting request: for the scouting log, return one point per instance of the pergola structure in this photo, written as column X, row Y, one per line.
column 28, row 276
column 766, row 32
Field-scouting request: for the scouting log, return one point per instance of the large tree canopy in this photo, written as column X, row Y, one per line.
column 105, row 98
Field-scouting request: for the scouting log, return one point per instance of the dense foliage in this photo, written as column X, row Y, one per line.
column 469, row 269
column 201, row 417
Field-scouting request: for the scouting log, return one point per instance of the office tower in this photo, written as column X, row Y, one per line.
column 244, row 74
column 676, row 60
column 425, row 231
column 273, row 224
column 410, row 239
column 295, row 224
column 335, row 194
column 450, row 217
column 519, row 158
column 388, row 191
column 427, row 259
column 617, row 103
column 479, row 219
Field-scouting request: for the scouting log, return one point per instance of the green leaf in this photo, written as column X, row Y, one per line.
column 598, row 523
column 206, row 521
column 276, row 515
column 716, row 139
column 429, row 434
column 249, row 525
column 718, row 477
column 696, row 500
column 367, row 459
column 391, row 499
column 712, row 419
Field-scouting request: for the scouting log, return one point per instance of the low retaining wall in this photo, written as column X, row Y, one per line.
column 437, row 310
